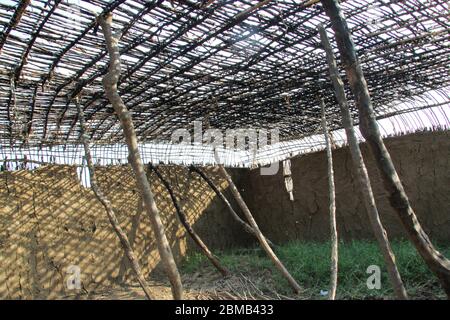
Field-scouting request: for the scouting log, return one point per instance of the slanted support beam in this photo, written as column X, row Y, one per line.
column 110, row 84
column 108, row 207
column 262, row 240
column 361, row 171
column 187, row 226
column 332, row 207
column 236, row 217
column 398, row 199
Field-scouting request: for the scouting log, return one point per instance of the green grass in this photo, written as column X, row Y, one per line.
column 309, row 264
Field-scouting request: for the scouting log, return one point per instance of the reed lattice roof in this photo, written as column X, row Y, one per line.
column 230, row 64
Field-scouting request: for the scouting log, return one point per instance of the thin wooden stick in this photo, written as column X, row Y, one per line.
column 185, row 222
column 332, row 207
column 262, row 240
column 108, row 207
column 361, row 172
column 369, row 129
column 110, row 84
column 15, row 19
column 220, row 194
column 251, row 9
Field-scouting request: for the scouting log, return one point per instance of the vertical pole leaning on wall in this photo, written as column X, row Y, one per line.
column 261, row 238
column 187, row 226
column 108, row 207
column 369, row 129
column 332, row 207
column 361, row 171
column 110, row 84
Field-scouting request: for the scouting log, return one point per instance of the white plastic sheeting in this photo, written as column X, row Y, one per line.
column 436, row 118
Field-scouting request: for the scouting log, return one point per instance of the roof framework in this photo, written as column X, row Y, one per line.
column 230, row 64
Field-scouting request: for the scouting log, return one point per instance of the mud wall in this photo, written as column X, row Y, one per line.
column 49, row 222
column 422, row 161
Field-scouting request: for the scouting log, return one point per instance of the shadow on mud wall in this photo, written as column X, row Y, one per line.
column 49, row 222
column 206, row 213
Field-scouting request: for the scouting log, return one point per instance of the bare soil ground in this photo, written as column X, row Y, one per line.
column 197, row 286
column 212, row 286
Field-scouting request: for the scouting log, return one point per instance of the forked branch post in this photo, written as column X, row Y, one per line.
column 110, row 84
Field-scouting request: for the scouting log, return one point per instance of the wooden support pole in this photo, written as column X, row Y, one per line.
column 361, row 171
column 332, row 207
column 110, row 84
column 369, row 129
column 108, row 207
column 187, row 226
column 236, row 217
column 262, row 240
